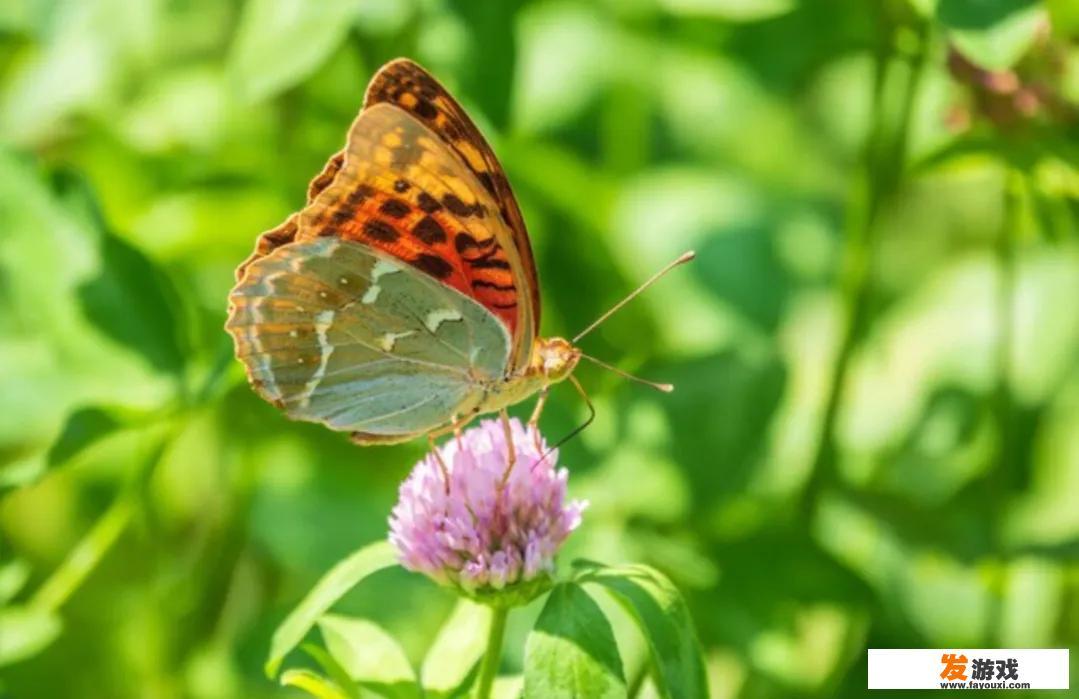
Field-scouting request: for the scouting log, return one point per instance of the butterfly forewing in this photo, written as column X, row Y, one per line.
column 340, row 333
column 400, row 189
column 408, row 86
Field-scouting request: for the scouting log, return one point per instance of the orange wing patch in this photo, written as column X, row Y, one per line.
column 406, row 85
column 400, row 190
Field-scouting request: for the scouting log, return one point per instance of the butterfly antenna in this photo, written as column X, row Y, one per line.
column 665, row 387
column 682, row 259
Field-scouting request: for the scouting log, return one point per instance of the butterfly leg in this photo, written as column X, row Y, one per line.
column 511, row 453
column 457, row 430
column 441, row 464
column 455, row 426
column 533, row 422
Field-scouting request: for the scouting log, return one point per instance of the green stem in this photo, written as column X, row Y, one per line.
column 91, row 549
column 883, row 166
column 85, row 556
column 492, row 657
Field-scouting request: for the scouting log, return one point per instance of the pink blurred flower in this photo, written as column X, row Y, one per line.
column 489, row 530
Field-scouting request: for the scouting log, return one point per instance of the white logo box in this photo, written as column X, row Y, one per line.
column 920, row 668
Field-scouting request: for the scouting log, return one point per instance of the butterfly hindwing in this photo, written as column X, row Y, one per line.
column 337, row 332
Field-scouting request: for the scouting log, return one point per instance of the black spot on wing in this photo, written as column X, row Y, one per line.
column 464, row 242
column 433, row 265
column 459, row 208
column 380, row 231
column 427, row 203
column 359, row 195
column 488, row 264
column 429, row 231
column 343, row 215
column 425, row 109
column 395, row 208
column 477, row 283
column 487, row 182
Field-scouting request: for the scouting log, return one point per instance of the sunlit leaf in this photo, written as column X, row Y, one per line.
column 332, row 668
column 571, row 651
column 312, row 683
column 1064, row 16
column 733, row 10
column 87, row 425
column 510, row 687
column 280, row 42
column 369, row 655
column 457, row 647
column 992, row 33
column 663, row 618
column 13, row 576
column 26, row 631
column 341, row 578
column 77, row 66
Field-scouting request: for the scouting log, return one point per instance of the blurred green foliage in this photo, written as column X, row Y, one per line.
column 875, row 437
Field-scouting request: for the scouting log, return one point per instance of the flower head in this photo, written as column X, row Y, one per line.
column 489, row 529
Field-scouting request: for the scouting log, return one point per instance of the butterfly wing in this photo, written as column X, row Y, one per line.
column 412, row 188
column 409, row 87
column 341, row 333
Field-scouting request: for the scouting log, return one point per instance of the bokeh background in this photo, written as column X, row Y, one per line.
column 875, row 437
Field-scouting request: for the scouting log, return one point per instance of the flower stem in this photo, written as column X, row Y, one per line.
column 492, row 657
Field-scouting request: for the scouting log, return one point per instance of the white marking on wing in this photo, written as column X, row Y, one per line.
column 389, row 340
column 439, row 316
column 323, row 321
column 382, row 268
column 371, row 295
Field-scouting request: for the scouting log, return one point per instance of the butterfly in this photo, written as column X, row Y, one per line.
column 402, row 300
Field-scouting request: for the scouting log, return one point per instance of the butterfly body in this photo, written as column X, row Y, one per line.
column 403, row 296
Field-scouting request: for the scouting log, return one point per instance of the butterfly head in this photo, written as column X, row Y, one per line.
column 555, row 358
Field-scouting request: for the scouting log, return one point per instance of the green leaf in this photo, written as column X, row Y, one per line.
column 369, row 655
column 135, row 304
column 661, row 614
column 508, row 687
column 571, row 652
column 1063, row 16
column 87, row 425
column 314, row 684
column 341, row 578
column 457, row 647
column 730, row 10
column 83, row 427
column 994, row 34
column 13, row 576
column 332, row 668
column 281, row 42
column 26, row 631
